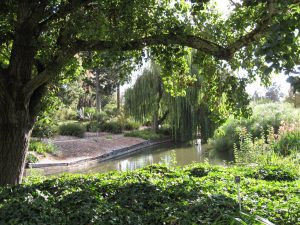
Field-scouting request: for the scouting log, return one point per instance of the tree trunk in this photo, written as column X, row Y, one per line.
column 98, row 99
column 155, row 119
column 118, row 98
column 15, row 130
column 155, row 122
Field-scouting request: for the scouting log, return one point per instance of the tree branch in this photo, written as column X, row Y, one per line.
column 257, row 32
column 48, row 73
column 166, row 39
column 164, row 116
column 62, row 12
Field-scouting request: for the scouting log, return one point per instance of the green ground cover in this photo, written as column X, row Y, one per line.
column 197, row 194
column 146, row 134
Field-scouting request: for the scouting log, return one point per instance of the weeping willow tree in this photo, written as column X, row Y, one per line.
column 142, row 101
column 189, row 115
column 215, row 94
column 185, row 115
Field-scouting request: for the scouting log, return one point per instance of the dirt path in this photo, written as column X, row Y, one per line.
column 72, row 148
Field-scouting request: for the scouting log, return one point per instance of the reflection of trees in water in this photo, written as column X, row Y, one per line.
column 199, row 152
column 135, row 163
column 181, row 155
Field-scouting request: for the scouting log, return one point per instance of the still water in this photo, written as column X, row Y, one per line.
column 168, row 154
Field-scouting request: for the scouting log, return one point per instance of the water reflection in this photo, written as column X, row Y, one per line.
column 170, row 154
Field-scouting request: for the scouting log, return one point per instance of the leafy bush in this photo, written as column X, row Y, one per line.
column 151, row 195
column 111, row 110
column 72, row 129
column 145, row 134
column 289, row 142
column 40, row 147
column 131, row 125
column 31, row 158
column 101, row 117
column 93, row 126
column 112, row 127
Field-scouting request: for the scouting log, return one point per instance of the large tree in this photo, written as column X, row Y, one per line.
column 39, row 38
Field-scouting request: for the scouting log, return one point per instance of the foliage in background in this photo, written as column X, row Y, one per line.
column 45, row 127
column 66, row 113
column 110, row 124
column 146, row 134
column 266, row 151
column 197, row 194
column 264, row 116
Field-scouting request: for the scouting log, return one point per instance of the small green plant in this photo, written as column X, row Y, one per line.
column 72, row 129
column 41, row 147
column 249, row 149
column 31, row 158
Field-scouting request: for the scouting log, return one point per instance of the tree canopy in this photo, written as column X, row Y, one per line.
column 39, row 40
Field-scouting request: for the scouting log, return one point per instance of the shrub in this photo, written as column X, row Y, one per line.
column 100, row 117
column 144, row 134
column 72, row 129
column 93, row 126
column 111, row 109
column 40, row 147
column 112, row 127
column 289, row 142
column 131, row 125
column 44, row 129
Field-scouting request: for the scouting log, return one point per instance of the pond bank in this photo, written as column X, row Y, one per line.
column 48, row 167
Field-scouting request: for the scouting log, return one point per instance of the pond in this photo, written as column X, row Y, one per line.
column 168, row 154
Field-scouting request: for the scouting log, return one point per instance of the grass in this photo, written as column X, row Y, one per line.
column 197, row 194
